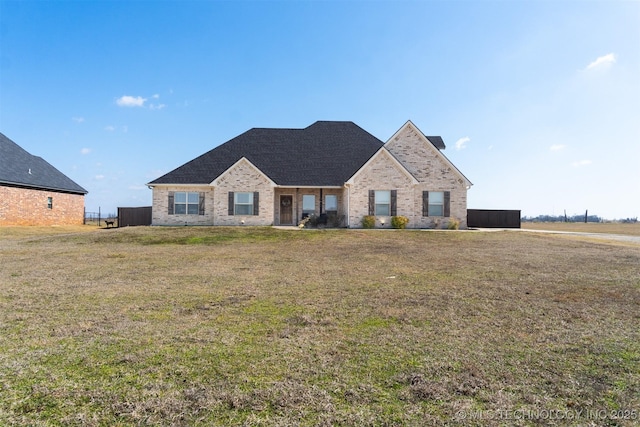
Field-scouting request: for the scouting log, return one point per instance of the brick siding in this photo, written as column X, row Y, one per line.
column 160, row 211
column 422, row 159
column 21, row 206
column 382, row 173
column 243, row 177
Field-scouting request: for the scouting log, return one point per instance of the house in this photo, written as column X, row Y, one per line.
column 334, row 171
column 32, row 192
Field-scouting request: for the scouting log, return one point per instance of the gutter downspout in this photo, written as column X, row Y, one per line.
column 348, row 205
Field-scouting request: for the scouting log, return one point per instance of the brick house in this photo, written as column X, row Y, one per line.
column 32, row 192
column 335, row 172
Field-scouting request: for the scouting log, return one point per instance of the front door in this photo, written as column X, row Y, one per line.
column 286, row 210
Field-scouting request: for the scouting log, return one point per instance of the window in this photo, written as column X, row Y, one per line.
column 436, row 203
column 383, row 203
column 331, row 203
column 243, row 204
column 186, row 203
column 49, row 202
column 308, row 204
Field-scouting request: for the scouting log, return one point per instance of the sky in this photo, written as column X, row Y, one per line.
column 538, row 102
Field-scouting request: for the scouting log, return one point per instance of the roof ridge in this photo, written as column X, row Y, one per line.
column 288, row 156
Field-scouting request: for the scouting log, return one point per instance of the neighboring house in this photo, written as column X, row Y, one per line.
column 32, row 192
column 335, row 171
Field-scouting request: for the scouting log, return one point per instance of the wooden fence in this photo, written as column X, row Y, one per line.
column 134, row 216
column 492, row 218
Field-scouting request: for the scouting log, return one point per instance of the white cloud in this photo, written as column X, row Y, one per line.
column 581, row 163
column 462, row 143
column 78, row 119
column 156, row 96
column 557, row 147
column 602, row 61
column 99, row 177
column 131, row 101
column 157, row 106
column 109, row 128
column 85, row 151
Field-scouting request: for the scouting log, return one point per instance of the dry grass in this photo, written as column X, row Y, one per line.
column 15, row 232
column 257, row 326
column 590, row 227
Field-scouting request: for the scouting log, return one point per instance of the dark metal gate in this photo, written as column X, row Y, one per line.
column 493, row 218
column 134, row 216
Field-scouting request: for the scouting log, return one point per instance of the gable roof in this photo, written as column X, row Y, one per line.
column 384, row 152
column 327, row 153
column 434, row 141
column 243, row 161
column 21, row 169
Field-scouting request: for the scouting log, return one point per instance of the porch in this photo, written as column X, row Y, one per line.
column 320, row 207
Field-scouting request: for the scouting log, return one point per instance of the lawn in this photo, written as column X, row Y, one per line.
column 262, row 327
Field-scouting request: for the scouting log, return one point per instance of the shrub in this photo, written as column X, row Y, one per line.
column 399, row 221
column 335, row 220
column 453, row 224
column 368, row 221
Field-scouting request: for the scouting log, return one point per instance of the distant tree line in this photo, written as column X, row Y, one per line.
column 572, row 218
column 562, row 218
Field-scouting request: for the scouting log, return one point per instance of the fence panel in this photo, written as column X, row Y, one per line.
column 134, row 216
column 493, row 218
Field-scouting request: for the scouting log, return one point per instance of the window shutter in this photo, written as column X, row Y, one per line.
column 171, row 196
column 231, row 202
column 201, row 204
column 394, row 202
column 372, row 202
column 447, row 201
column 256, row 200
column 425, row 203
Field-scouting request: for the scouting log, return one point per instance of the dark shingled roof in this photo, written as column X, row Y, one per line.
column 437, row 142
column 323, row 154
column 21, row 169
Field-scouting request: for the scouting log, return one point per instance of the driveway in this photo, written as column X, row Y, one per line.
column 599, row 236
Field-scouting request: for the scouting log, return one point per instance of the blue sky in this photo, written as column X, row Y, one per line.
column 537, row 101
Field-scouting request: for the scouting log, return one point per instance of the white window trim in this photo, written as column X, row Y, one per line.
column 440, row 204
column 186, row 203
column 388, row 204
column 236, row 203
